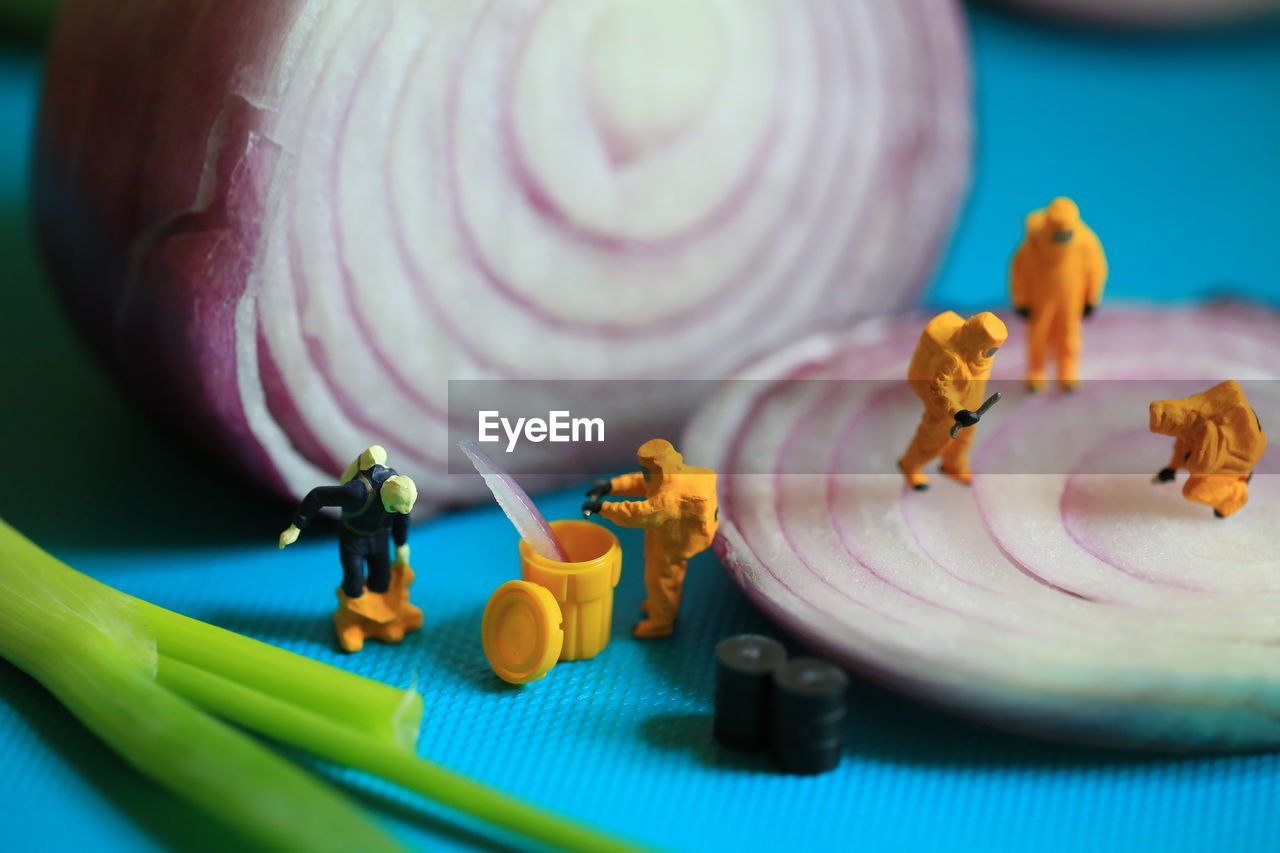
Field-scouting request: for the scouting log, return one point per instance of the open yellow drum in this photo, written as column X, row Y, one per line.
column 558, row 611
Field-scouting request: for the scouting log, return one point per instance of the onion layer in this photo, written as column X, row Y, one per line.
column 289, row 222
column 528, row 521
column 1079, row 602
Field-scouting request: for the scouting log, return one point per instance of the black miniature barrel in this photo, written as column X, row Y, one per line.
column 808, row 719
column 744, row 684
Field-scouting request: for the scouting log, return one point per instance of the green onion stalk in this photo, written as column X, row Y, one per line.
column 153, row 684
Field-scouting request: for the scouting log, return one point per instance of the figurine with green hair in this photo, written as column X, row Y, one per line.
column 375, row 502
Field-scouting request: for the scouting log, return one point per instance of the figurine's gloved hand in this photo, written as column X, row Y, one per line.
column 599, row 490
column 1088, row 309
column 966, row 418
column 1022, row 311
column 1165, row 475
column 402, row 554
column 289, row 536
column 593, row 504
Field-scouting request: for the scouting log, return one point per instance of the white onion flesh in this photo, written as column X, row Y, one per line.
column 1070, row 603
column 368, row 199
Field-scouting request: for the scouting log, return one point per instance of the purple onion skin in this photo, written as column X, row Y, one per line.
column 148, row 192
column 149, row 274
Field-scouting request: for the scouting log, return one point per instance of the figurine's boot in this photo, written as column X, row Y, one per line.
column 405, row 617
column 357, row 619
column 1226, row 493
column 408, row 615
column 663, row 583
column 916, row 478
column 350, row 633
column 348, row 625
column 373, row 606
column 649, row 628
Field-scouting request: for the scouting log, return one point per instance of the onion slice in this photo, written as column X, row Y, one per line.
column 1078, row 601
column 288, row 224
column 528, row 521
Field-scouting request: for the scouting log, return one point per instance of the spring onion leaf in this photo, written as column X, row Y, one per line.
column 152, row 683
column 87, row 644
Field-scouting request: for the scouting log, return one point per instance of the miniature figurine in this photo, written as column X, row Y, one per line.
column 680, row 515
column 949, row 374
column 1056, row 280
column 375, row 501
column 1219, row 440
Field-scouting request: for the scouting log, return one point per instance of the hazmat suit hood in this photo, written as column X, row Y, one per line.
column 1172, row 417
column 1059, row 225
column 660, row 461
column 980, row 335
column 1063, row 214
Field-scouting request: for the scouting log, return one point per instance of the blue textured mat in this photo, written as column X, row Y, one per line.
column 1170, row 146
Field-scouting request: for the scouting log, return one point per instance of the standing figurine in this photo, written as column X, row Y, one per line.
column 949, row 374
column 375, row 501
column 1056, row 281
column 1219, row 440
column 679, row 514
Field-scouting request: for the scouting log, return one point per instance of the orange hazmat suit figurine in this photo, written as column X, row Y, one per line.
column 1056, row 281
column 949, row 374
column 679, row 515
column 1219, row 439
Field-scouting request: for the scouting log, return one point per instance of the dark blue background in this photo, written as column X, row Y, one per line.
column 1170, row 145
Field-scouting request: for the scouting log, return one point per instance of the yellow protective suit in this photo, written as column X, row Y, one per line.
column 1057, row 275
column 949, row 373
column 679, row 514
column 1219, row 440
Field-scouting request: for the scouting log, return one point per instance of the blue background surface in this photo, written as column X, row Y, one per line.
column 1169, row 143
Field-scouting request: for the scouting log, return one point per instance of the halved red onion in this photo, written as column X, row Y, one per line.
column 1157, row 13
column 1078, row 602
column 288, row 223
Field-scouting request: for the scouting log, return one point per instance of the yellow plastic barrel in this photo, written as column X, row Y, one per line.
column 583, row 587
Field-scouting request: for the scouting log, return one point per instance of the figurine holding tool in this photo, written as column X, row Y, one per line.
column 949, row 374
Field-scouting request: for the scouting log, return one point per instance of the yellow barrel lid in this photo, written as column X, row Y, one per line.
column 521, row 631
